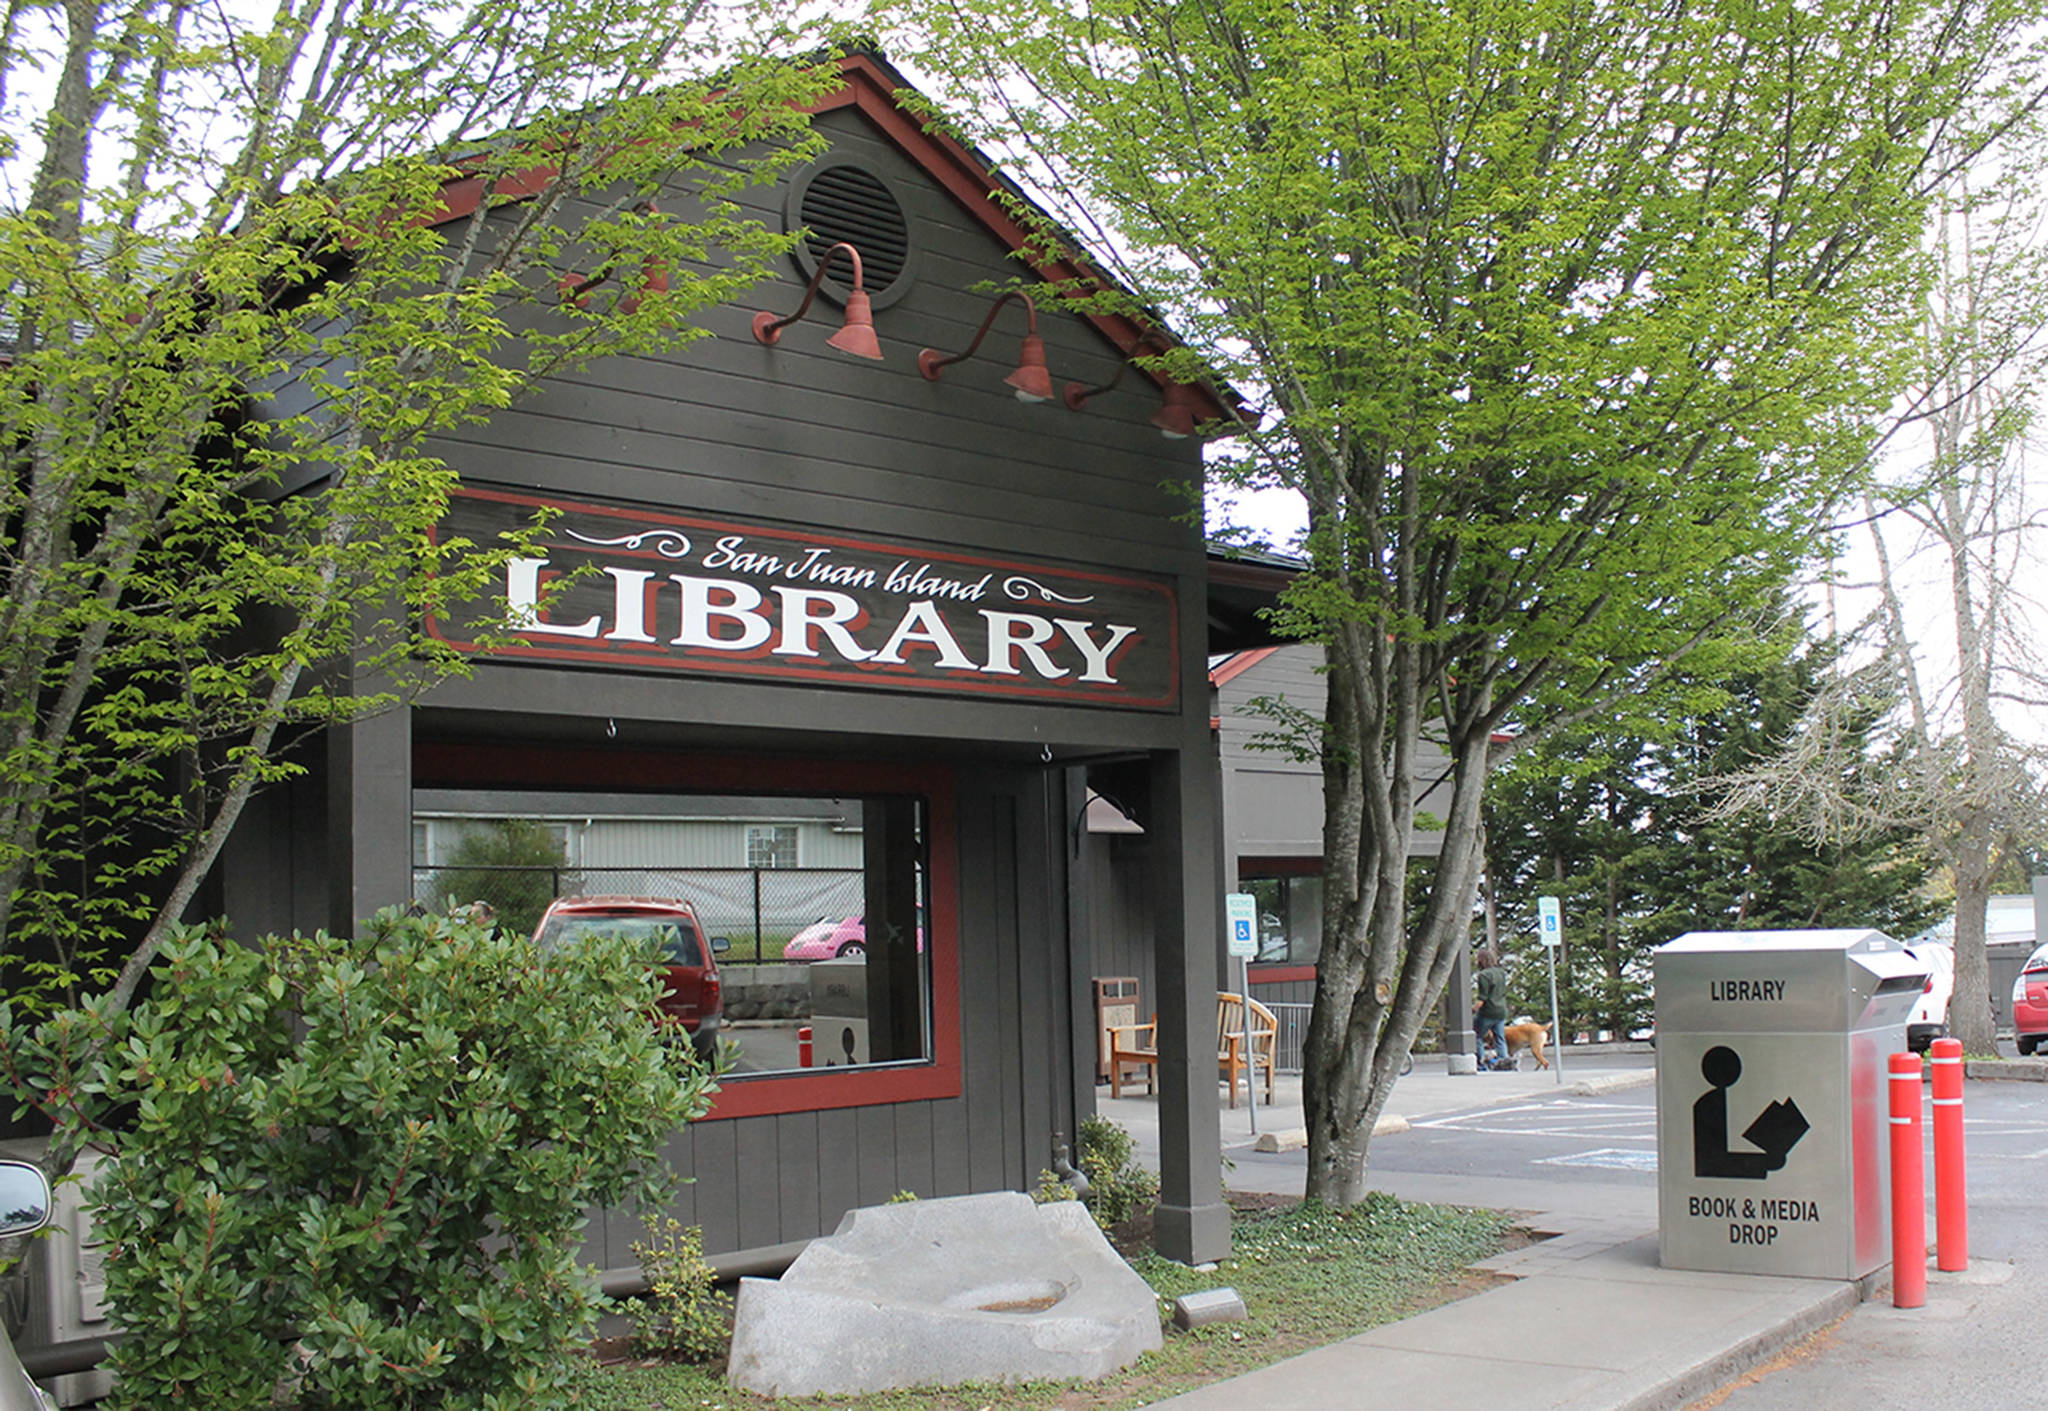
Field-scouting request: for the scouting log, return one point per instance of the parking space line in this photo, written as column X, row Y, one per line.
column 1610, row 1158
column 1570, row 1120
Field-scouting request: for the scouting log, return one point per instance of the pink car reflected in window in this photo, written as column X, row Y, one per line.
column 826, row 939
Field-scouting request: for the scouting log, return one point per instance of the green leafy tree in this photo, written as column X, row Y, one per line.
column 1947, row 661
column 257, row 259
column 510, row 864
column 1572, row 819
column 1621, row 826
column 1565, row 320
column 354, row 1173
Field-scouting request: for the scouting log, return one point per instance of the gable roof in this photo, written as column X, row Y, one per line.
column 869, row 86
column 1237, row 664
column 1243, row 585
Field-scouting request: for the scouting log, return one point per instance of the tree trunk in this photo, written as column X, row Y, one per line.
column 1382, row 969
column 1970, row 1012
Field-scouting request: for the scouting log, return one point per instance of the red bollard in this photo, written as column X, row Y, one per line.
column 1951, row 1193
column 1909, row 1186
column 803, row 1046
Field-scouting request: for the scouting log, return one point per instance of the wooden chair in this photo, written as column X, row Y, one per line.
column 1236, row 1045
column 1137, row 1045
column 1132, row 1044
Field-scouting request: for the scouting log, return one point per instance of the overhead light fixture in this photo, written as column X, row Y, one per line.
column 576, row 288
column 1076, row 396
column 856, row 335
column 1176, row 416
column 1178, row 410
column 1031, row 382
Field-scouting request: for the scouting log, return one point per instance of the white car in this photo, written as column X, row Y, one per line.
column 24, row 1209
column 1929, row 1020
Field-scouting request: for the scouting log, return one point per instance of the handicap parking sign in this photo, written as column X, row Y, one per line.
column 1242, row 912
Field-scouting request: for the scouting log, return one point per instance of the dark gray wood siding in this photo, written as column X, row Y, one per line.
column 273, row 872
column 1272, row 803
column 1119, row 912
column 800, row 435
column 758, row 1182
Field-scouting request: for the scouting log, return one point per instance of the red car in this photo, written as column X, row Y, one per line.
column 2030, row 1003
column 692, row 994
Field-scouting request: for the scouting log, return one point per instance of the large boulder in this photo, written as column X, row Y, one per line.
column 974, row 1288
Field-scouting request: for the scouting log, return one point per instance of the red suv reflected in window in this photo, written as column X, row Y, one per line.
column 691, row 995
column 2030, row 1003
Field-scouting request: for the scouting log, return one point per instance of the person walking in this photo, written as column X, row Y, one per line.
column 1490, row 1008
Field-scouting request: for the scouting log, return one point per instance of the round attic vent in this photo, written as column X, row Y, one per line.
column 839, row 201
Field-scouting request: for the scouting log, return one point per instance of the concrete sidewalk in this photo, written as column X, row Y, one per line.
column 1591, row 1321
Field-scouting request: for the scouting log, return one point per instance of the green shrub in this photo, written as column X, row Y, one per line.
column 1118, row 1187
column 684, row 1314
column 1051, row 1189
column 353, row 1173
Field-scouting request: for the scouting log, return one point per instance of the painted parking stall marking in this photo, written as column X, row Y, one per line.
column 1610, row 1158
column 1572, row 1120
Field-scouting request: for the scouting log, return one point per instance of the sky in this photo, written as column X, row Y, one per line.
column 1279, row 516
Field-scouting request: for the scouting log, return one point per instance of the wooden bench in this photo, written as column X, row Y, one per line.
column 1137, row 1045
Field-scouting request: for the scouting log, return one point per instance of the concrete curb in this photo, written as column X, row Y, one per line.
column 1588, row 1319
column 1674, row 1390
column 1612, row 1083
column 2022, row 1070
column 1296, row 1138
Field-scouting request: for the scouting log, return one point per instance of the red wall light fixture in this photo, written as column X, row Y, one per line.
column 1178, row 413
column 1076, row 396
column 855, row 336
column 1031, row 382
column 1176, row 418
column 574, row 288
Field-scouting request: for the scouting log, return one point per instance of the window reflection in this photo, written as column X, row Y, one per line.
column 1290, row 918
column 809, row 912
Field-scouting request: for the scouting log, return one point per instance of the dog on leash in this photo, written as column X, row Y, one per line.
column 1527, row 1034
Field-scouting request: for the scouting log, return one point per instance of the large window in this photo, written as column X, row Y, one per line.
column 824, row 983
column 1290, row 918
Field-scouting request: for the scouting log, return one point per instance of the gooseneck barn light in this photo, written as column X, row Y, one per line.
column 1076, row 396
column 576, row 288
column 1176, row 417
column 1031, row 382
column 855, row 336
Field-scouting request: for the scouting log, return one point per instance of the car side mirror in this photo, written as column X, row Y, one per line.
column 720, row 945
column 24, row 1199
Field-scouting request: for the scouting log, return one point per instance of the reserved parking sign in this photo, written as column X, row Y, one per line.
column 1241, row 924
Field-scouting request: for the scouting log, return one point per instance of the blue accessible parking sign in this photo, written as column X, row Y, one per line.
column 1241, row 910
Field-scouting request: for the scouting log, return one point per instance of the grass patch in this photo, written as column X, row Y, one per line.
column 1308, row 1275
column 747, row 950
